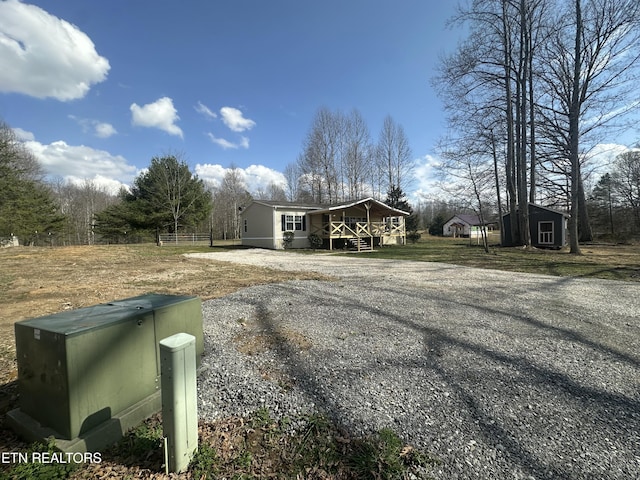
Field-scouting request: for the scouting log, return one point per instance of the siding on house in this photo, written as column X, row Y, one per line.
column 461, row 225
column 264, row 222
column 258, row 226
column 291, row 220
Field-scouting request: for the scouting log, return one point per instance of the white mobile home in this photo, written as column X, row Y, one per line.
column 359, row 225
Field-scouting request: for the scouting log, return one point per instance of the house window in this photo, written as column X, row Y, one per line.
column 545, row 233
column 292, row 222
column 245, row 225
column 352, row 222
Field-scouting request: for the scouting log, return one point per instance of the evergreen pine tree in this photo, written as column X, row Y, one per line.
column 27, row 207
column 396, row 199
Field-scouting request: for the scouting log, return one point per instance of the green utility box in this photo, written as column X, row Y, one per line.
column 88, row 375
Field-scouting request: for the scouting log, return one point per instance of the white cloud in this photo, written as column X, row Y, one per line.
column 104, row 130
column 212, row 174
column 226, row 144
column 159, row 114
column 426, row 178
column 97, row 128
column 233, row 118
column 604, row 154
column 259, row 177
column 45, row 56
column 76, row 163
column 255, row 177
column 23, row 135
column 106, row 184
column 204, row 110
column 244, row 142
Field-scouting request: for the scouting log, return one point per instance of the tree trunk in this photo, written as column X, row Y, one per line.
column 584, row 227
column 523, row 194
column 510, row 161
column 497, row 181
column 574, row 137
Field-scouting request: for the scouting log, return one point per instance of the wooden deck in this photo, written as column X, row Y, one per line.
column 363, row 234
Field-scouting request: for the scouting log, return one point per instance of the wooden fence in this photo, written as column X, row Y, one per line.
column 185, row 239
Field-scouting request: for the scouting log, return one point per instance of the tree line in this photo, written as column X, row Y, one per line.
column 27, row 206
column 339, row 160
column 168, row 198
column 615, row 199
column 531, row 90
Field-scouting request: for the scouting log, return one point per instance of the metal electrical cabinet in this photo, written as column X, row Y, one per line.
column 82, row 368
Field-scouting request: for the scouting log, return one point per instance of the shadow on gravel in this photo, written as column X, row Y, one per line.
column 537, row 414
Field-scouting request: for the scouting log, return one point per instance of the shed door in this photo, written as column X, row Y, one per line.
column 545, row 233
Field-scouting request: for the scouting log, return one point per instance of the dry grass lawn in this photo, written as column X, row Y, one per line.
column 42, row 281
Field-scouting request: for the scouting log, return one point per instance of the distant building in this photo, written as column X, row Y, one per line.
column 461, row 225
column 548, row 227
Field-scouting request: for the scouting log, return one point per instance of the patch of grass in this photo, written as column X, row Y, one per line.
column 37, row 281
column 261, row 447
column 385, row 456
column 204, row 462
column 5, row 282
column 258, row 446
column 140, row 440
column 614, row 262
column 55, row 467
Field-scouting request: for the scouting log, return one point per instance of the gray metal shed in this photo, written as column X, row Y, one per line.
column 548, row 227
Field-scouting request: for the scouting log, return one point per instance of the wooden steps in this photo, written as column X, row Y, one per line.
column 359, row 244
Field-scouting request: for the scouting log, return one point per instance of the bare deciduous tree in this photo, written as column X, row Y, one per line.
column 292, row 176
column 339, row 163
column 80, row 202
column 228, row 198
column 393, row 155
column 468, row 174
column 552, row 73
column 319, row 159
column 593, row 51
column 626, row 182
column 356, row 162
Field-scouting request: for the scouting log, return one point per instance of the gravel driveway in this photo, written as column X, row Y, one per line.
column 500, row 375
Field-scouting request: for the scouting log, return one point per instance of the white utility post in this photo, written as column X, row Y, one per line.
column 179, row 400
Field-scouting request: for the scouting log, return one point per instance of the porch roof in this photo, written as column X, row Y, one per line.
column 375, row 207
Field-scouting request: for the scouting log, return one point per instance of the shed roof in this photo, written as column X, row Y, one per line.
column 472, row 220
column 549, row 209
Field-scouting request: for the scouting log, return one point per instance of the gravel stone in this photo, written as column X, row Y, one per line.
column 500, row 375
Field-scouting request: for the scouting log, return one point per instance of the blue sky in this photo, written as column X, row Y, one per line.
column 99, row 88
column 96, row 89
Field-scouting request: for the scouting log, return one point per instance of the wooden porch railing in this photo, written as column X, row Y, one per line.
column 362, row 229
